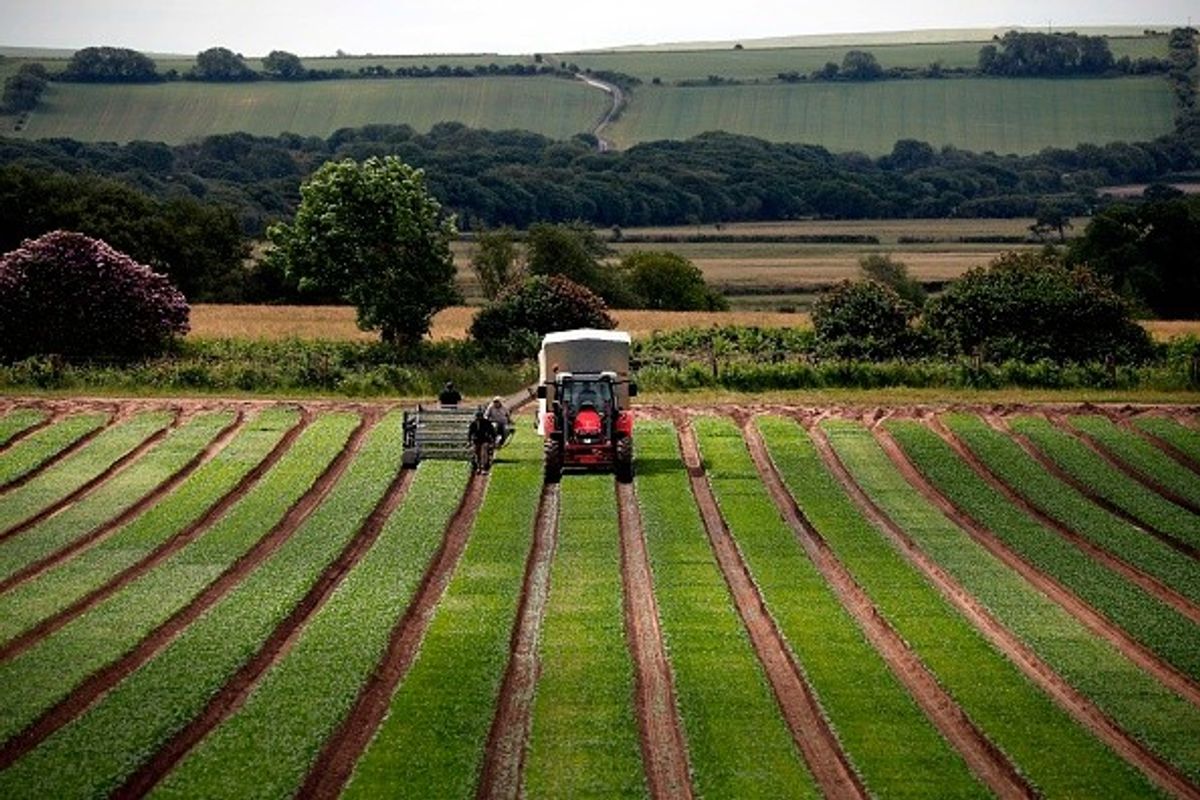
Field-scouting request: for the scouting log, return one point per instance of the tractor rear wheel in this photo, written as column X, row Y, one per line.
column 552, row 460
column 624, row 459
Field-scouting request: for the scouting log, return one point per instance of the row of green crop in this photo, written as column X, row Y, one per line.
column 29, row 603
column 48, row 671
column 115, row 495
column 72, row 473
column 1040, row 738
column 113, row 737
column 1184, row 439
column 1141, row 455
column 1116, row 487
column 584, row 738
column 1160, row 628
column 1024, row 475
column 432, row 741
column 18, row 421
column 892, row 744
column 1140, row 704
column 271, row 742
column 737, row 739
column 35, row 450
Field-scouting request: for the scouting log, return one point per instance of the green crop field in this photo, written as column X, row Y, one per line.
column 177, row 112
column 239, row 598
column 1002, row 115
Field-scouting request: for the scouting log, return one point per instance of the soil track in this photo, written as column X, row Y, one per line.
column 1000, row 423
column 664, row 751
column 32, row 429
column 234, row 694
column 504, row 757
column 66, row 452
column 1174, row 452
column 112, row 469
column 1093, row 620
column 93, row 687
column 1099, row 448
column 982, row 756
column 333, row 767
column 1031, row 665
column 810, row 730
column 1148, row 583
column 155, row 496
column 164, row 551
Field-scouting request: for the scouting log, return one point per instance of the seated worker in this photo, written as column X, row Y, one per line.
column 482, row 437
column 497, row 414
column 449, row 395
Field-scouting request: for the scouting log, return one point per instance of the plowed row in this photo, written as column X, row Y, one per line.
column 203, row 599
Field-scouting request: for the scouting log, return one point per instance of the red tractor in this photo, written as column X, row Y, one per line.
column 583, row 402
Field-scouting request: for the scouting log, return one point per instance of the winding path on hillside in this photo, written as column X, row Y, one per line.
column 618, row 100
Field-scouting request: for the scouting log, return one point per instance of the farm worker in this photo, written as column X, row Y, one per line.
column 497, row 414
column 482, row 437
column 449, row 395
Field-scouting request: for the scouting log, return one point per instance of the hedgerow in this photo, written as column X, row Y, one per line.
column 738, row 743
column 30, row 453
column 55, row 590
column 1141, row 455
column 1143, row 706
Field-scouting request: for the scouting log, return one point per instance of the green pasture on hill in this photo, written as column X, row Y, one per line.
column 1005, row 115
column 177, row 112
column 767, row 63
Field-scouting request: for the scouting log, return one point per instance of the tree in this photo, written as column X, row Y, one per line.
column 668, row 281
column 859, row 65
column 284, row 65
column 221, row 64
column 512, row 325
column 893, row 274
column 70, row 295
column 496, row 262
column 110, row 65
column 374, row 234
column 1050, row 217
column 573, row 250
column 863, row 320
column 22, row 92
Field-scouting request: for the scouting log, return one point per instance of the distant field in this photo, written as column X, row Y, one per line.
column 1001, row 115
column 766, row 63
column 177, row 112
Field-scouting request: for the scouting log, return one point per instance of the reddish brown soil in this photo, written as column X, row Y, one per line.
column 1098, row 447
column 151, row 499
column 66, row 452
column 333, row 767
column 1148, row 583
column 94, row 686
column 162, row 553
column 1171, row 450
column 47, row 420
column 664, row 751
column 234, row 693
column 1088, row 616
column 1034, row 668
column 1001, row 424
column 810, row 730
column 114, row 468
column 504, row 757
column 984, row 758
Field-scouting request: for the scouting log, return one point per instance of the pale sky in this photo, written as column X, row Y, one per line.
column 320, row 27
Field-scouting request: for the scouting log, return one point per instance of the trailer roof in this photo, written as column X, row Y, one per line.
column 585, row 334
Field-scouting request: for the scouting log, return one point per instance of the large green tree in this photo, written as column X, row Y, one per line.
column 372, row 233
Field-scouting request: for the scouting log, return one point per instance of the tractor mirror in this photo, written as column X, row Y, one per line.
column 633, row 390
column 541, row 391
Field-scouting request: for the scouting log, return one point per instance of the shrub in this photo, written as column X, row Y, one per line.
column 1029, row 307
column 512, row 325
column 70, row 295
column 668, row 281
column 863, row 319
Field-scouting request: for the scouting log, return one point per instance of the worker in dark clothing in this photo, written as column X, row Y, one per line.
column 449, row 395
column 482, row 436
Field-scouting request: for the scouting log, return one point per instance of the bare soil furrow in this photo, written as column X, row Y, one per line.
column 334, row 765
column 65, row 453
column 32, row 429
column 815, row 739
column 1092, row 619
column 276, row 646
column 167, row 549
column 1182, row 458
column 112, row 469
column 982, row 756
column 664, row 751
column 1099, row 448
column 151, row 499
column 1001, row 424
column 1031, row 665
column 504, row 757
column 104, row 679
column 1131, row 573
